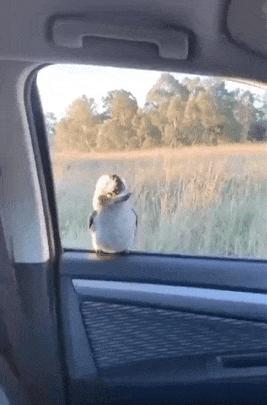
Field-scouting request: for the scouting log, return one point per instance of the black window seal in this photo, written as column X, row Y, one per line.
column 37, row 128
column 38, row 134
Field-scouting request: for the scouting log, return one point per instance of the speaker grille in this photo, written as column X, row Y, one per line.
column 122, row 334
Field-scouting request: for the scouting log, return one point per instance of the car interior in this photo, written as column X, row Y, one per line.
column 79, row 328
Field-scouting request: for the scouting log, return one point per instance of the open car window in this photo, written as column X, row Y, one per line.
column 192, row 149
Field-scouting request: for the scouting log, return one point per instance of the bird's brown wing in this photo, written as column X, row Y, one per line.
column 91, row 219
column 136, row 217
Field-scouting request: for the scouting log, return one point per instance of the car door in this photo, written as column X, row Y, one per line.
column 158, row 328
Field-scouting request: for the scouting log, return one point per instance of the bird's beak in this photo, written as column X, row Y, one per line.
column 123, row 197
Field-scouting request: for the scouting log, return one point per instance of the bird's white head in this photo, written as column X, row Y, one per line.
column 110, row 189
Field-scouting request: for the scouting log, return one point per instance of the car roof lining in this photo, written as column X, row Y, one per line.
column 213, row 47
column 249, row 28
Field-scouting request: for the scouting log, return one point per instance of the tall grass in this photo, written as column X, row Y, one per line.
column 201, row 200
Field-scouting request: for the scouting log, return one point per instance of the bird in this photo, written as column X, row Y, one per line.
column 113, row 223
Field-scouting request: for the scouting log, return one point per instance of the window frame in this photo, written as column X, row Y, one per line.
column 45, row 174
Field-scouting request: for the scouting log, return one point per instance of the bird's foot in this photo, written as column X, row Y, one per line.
column 100, row 253
column 103, row 253
column 124, row 252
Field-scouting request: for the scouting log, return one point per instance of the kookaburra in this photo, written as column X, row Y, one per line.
column 113, row 222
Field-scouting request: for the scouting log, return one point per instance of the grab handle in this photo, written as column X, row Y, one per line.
column 171, row 43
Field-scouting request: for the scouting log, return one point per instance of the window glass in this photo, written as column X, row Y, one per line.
column 191, row 149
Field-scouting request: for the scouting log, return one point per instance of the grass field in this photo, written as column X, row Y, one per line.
column 196, row 200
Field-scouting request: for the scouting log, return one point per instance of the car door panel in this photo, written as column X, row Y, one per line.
column 220, row 273
column 163, row 326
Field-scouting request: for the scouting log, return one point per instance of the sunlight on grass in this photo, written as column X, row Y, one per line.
column 198, row 200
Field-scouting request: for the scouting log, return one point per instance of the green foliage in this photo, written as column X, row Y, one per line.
column 120, row 105
column 166, row 87
column 245, row 113
column 195, row 111
column 79, row 128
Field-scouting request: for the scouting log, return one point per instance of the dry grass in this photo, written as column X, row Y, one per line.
column 197, row 200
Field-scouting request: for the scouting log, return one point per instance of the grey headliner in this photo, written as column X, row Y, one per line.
column 24, row 34
column 249, row 27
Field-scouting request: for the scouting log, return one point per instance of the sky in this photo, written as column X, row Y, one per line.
column 59, row 85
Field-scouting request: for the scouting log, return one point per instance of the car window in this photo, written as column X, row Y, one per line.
column 191, row 149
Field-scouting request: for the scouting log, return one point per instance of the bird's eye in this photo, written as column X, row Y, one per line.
column 109, row 195
column 102, row 199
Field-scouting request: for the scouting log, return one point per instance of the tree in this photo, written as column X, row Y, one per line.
column 226, row 104
column 114, row 136
column 173, row 131
column 117, row 132
column 210, row 118
column 175, row 111
column 110, row 136
column 192, row 83
column 120, row 105
column 194, row 111
column 172, row 137
column 192, row 127
column 164, row 88
column 261, row 111
column 158, row 116
column 148, row 135
column 78, row 129
column 245, row 113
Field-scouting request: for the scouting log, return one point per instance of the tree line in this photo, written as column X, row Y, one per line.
column 193, row 111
